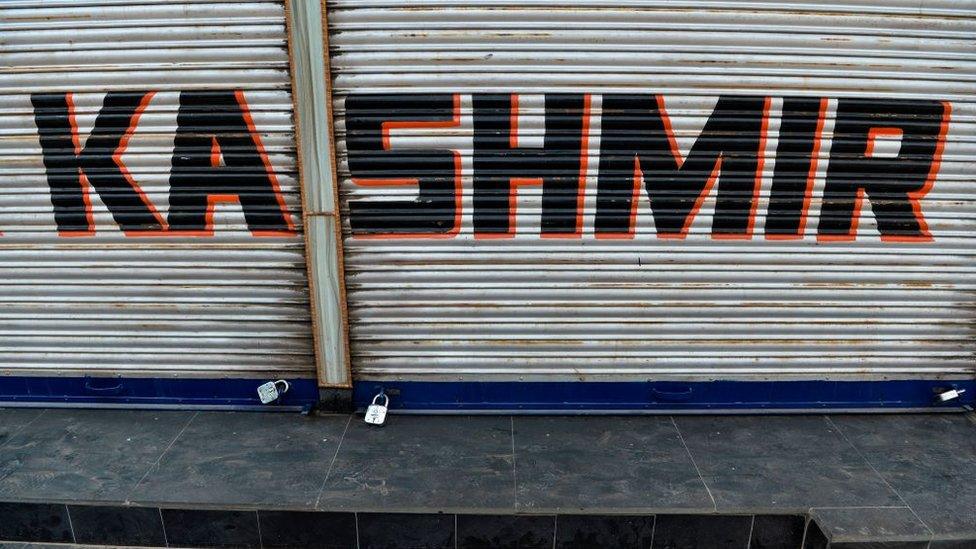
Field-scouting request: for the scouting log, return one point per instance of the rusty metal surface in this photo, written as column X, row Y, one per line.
column 228, row 300
column 456, row 307
column 307, row 48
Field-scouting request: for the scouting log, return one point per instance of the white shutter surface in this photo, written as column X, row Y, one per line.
column 231, row 304
column 529, row 308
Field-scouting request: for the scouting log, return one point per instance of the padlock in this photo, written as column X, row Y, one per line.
column 270, row 391
column 376, row 412
column 949, row 394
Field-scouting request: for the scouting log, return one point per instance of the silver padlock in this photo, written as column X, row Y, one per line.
column 376, row 412
column 950, row 394
column 270, row 391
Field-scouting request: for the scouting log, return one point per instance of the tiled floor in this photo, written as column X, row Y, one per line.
column 910, row 475
column 100, row 455
column 275, row 459
column 436, row 463
column 785, row 462
column 605, row 464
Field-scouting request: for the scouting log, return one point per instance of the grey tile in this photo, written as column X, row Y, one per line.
column 233, row 458
column 13, row 420
column 424, row 464
column 612, row 464
column 929, row 459
column 948, row 437
column 781, row 464
column 870, row 524
column 85, row 455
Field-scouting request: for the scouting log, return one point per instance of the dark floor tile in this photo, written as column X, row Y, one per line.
column 89, row 455
column 29, row 545
column 505, row 532
column 117, row 525
column 13, row 420
column 307, row 529
column 424, row 463
column 198, row 528
column 232, row 458
column 699, row 531
column 590, row 531
column 929, row 433
column 953, row 544
column 777, row 532
column 781, row 463
column 881, row 545
column 815, row 537
column 870, row 524
column 599, row 464
column 928, row 459
column 40, row 522
column 405, row 531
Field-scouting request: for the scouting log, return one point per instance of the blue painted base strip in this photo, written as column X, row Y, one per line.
column 149, row 392
column 650, row 396
column 497, row 396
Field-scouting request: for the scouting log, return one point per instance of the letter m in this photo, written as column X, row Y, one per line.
column 638, row 146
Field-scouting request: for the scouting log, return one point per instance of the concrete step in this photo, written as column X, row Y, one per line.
column 188, row 478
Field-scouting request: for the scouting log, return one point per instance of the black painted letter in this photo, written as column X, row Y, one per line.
column 796, row 166
column 500, row 164
column 215, row 125
column 894, row 185
column 436, row 173
column 637, row 145
column 71, row 169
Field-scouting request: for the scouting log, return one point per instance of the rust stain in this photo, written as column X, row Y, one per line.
column 56, row 17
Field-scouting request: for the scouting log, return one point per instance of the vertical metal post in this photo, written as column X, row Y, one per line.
column 313, row 111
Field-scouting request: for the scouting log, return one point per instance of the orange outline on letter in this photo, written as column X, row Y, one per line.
column 69, row 99
column 584, row 159
column 385, row 128
column 811, row 177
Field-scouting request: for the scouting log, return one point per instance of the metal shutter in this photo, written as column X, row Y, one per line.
column 531, row 308
column 228, row 304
